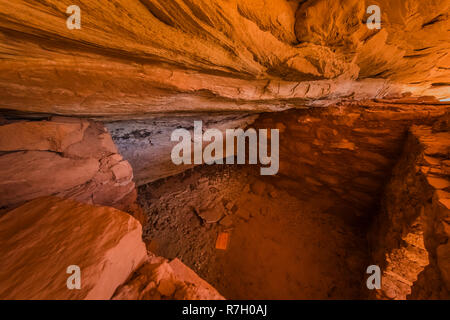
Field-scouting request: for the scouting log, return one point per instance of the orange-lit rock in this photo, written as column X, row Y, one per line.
column 37, row 174
column 348, row 149
column 409, row 237
column 411, row 47
column 68, row 157
column 160, row 279
column 43, row 135
column 45, row 236
column 158, row 56
column 363, row 142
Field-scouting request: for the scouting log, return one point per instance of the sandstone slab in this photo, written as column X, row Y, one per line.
column 41, row 135
column 30, row 174
column 40, row 239
column 181, row 55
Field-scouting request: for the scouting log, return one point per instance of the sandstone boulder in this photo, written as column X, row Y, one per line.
column 30, row 174
column 42, row 238
column 160, row 279
column 68, row 157
column 41, row 135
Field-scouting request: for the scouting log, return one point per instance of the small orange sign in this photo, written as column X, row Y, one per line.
column 222, row 241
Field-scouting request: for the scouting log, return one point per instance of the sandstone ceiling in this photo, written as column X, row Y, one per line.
column 134, row 57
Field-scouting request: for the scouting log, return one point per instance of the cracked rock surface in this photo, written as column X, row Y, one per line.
column 132, row 58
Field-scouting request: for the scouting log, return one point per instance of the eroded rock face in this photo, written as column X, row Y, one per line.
column 67, row 157
column 159, row 56
column 42, row 238
column 53, row 136
column 408, row 47
column 271, row 235
column 147, row 144
column 134, row 61
column 409, row 238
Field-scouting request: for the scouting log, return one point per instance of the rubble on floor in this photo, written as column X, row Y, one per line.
column 44, row 237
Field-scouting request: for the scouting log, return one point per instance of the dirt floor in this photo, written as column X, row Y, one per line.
column 280, row 246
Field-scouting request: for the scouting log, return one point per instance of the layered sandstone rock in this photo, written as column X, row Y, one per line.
column 136, row 64
column 67, row 157
column 105, row 243
column 53, row 136
column 165, row 56
column 147, row 145
column 42, row 238
column 409, row 238
column 410, row 47
column 161, row 279
column 269, row 235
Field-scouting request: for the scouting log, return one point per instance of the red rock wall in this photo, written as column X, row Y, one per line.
column 146, row 143
column 410, row 236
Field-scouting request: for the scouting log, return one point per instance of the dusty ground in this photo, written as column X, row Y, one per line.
column 280, row 247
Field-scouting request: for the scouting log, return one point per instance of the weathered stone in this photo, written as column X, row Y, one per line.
column 213, row 214
column 40, row 173
column 408, row 234
column 166, row 287
column 68, row 157
column 240, row 53
column 356, row 162
column 181, row 56
column 147, row 147
column 96, row 144
column 199, row 289
column 274, row 194
column 42, row 135
column 438, row 183
column 45, row 236
column 227, row 221
column 243, row 213
column 122, row 171
column 258, row 187
column 159, row 278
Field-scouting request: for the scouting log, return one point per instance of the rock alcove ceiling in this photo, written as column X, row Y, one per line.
column 86, row 119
